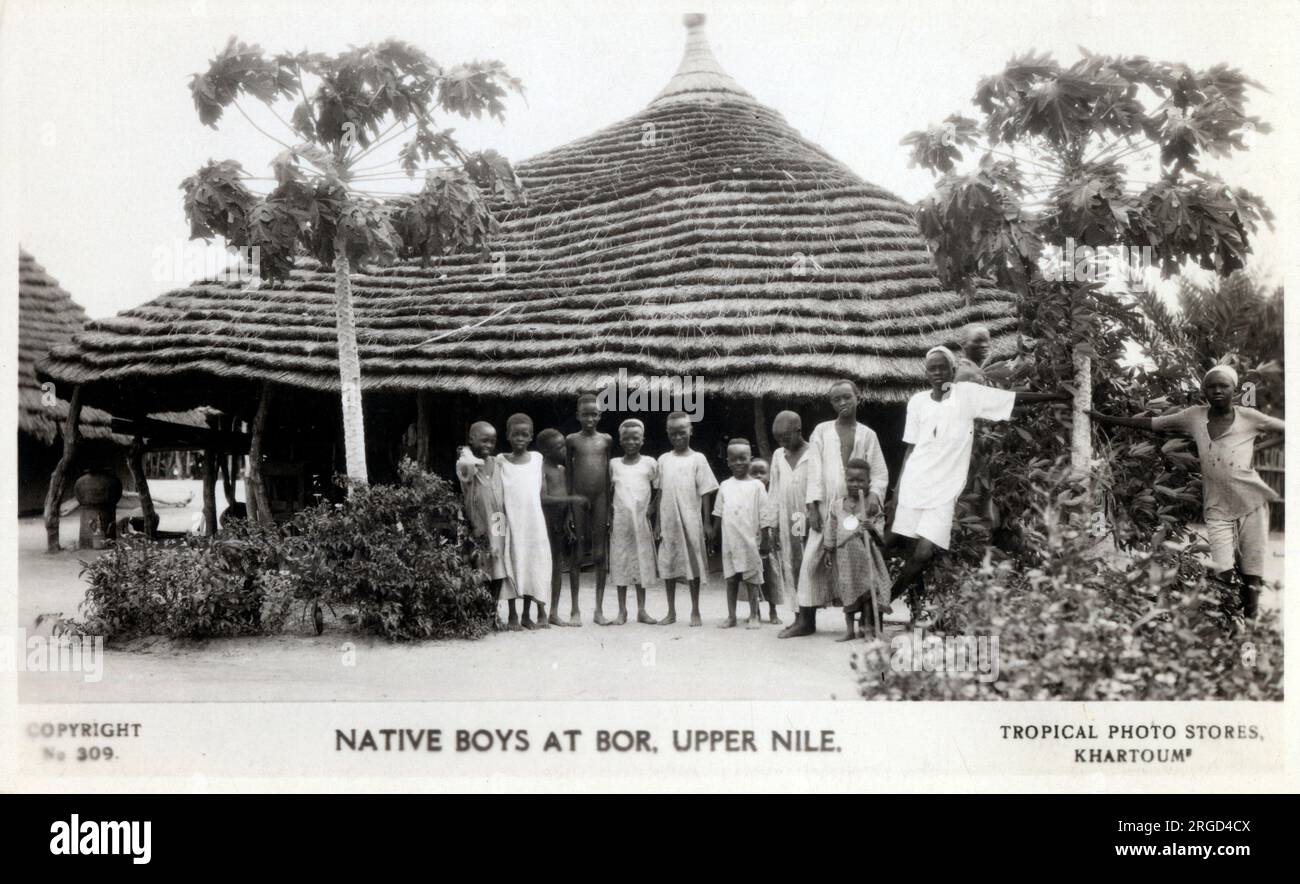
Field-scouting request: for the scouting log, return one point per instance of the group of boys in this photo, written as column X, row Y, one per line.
column 809, row 524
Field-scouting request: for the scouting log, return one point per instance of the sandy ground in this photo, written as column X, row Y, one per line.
column 631, row 662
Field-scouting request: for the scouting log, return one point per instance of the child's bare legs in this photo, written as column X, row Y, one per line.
column 599, row 527
column 556, row 564
column 575, row 577
column 622, row 606
column 696, row 620
column 599, row 617
column 733, row 592
column 755, row 618
column 772, row 615
column 494, row 587
column 851, row 627
column 670, row 590
column 641, row 615
column 513, row 623
column 527, row 622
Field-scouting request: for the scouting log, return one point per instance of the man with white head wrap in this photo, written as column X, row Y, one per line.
column 939, row 433
column 1235, row 498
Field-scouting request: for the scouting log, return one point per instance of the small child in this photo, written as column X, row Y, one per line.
column 480, row 485
column 859, row 575
column 558, row 504
column 773, row 562
column 530, row 548
column 589, row 454
column 685, row 485
column 635, row 480
column 741, row 507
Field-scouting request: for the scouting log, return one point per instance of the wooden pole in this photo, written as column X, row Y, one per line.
column 59, row 478
column 259, row 505
column 226, row 464
column 210, row 486
column 760, row 430
column 142, row 485
column 424, row 429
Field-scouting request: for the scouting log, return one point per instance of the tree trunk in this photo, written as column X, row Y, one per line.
column 354, row 433
column 210, row 492
column 59, row 478
column 259, row 504
column 424, row 429
column 226, row 465
column 760, row 430
column 1081, row 429
column 136, row 460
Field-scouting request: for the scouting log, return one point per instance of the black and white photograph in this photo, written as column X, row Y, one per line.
column 541, row 352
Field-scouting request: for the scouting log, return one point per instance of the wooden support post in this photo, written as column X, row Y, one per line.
column 136, row 460
column 210, row 486
column 761, row 438
column 226, row 464
column 59, row 478
column 424, row 429
column 259, row 504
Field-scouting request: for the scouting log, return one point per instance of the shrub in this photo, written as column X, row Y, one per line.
column 189, row 588
column 399, row 555
column 1147, row 626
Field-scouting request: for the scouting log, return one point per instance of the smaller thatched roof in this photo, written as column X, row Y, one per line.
column 47, row 317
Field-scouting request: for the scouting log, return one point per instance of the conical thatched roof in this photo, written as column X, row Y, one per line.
column 702, row 236
column 47, row 316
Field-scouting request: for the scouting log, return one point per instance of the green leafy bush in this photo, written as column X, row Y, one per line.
column 399, row 555
column 1143, row 625
column 189, row 588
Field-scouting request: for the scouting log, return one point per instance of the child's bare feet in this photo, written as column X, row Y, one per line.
column 725, row 624
column 754, row 622
column 600, row 619
column 773, row 618
column 554, row 619
column 621, row 618
column 696, row 620
column 575, row 617
column 499, row 625
column 669, row 619
column 513, row 626
column 643, row 617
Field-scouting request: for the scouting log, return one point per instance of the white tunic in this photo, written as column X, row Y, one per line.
column 742, row 506
column 942, row 434
column 529, row 546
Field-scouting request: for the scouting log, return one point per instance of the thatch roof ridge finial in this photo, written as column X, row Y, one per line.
column 699, row 77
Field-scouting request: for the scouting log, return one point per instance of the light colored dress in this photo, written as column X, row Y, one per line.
column 826, row 483
column 787, row 494
column 683, row 480
column 742, row 506
column 485, row 507
column 632, row 560
column 530, row 546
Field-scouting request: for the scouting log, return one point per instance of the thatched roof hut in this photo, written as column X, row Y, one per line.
column 48, row 317
column 701, row 236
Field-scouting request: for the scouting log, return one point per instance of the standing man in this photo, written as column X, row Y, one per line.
column 1236, row 499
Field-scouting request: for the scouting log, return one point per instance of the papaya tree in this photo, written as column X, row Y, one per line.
column 1102, row 158
column 327, row 193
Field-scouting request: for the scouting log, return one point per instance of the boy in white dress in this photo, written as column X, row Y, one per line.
column 686, row 486
column 742, row 515
column 523, row 479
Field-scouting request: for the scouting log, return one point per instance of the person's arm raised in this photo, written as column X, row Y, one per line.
column 1137, row 423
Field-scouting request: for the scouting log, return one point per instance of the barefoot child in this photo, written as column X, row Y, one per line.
column 635, row 481
column 773, row 562
column 859, row 575
column 558, row 505
column 787, row 492
column 741, row 509
column 685, row 485
column 1236, row 499
column 530, row 548
column 480, row 485
column 589, row 453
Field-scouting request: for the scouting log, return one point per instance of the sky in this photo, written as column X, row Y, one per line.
column 99, row 128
